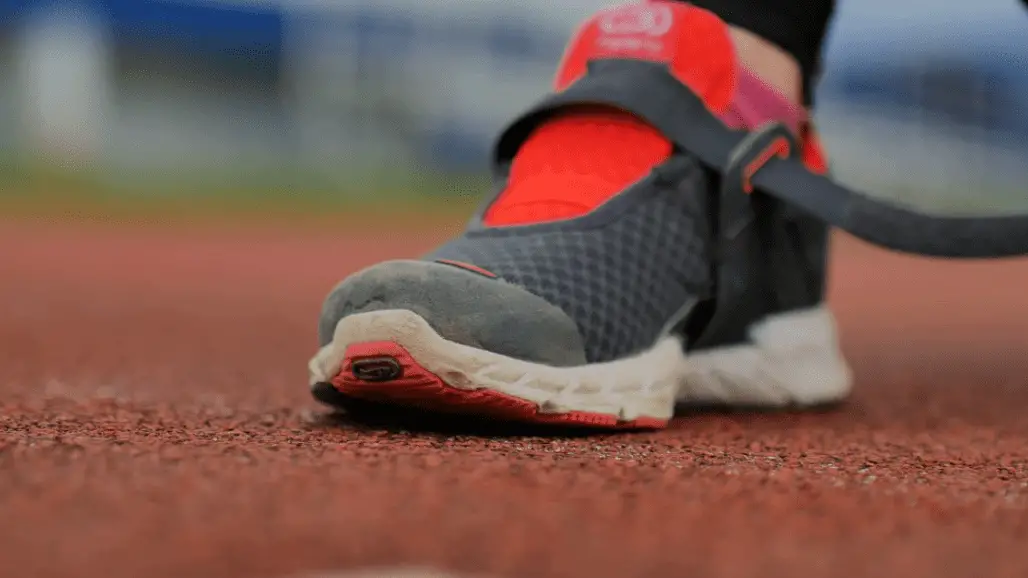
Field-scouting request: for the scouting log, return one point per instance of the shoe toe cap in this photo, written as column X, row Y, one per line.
column 462, row 306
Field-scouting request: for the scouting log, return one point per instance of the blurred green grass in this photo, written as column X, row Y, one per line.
column 40, row 190
column 292, row 195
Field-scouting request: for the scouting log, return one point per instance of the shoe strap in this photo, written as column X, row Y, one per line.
column 766, row 161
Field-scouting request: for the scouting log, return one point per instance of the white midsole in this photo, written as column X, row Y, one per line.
column 793, row 360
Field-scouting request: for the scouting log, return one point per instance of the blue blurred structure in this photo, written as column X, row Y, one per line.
column 929, row 94
column 332, row 83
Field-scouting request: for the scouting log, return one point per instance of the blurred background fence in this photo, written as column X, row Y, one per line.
column 925, row 99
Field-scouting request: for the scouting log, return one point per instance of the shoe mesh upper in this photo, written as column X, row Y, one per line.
column 620, row 273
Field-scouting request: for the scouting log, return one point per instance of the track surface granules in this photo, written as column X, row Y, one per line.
column 155, row 422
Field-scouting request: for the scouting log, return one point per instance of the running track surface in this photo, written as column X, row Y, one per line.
column 155, row 422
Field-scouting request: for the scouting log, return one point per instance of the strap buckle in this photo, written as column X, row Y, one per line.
column 754, row 151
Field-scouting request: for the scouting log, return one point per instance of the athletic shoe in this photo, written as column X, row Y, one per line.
column 613, row 273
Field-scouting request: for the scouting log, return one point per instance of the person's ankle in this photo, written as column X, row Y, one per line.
column 770, row 63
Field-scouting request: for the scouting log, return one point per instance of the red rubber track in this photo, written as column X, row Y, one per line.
column 155, row 421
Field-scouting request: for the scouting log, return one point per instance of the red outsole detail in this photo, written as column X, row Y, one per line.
column 418, row 387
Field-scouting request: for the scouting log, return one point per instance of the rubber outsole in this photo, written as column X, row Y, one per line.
column 385, row 372
column 394, row 358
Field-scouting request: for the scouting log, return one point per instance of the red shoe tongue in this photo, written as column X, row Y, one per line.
column 582, row 158
column 575, row 162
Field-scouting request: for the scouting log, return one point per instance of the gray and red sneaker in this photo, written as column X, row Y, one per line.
column 576, row 291
column 623, row 264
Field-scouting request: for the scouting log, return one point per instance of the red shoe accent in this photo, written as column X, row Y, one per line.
column 813, row 151
column 410, row 384
column 467, row 267
column 580, row 159
column 577, row 161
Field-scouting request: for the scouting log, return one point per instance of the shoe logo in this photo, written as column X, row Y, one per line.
column 653, row 20
column 377, row 369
